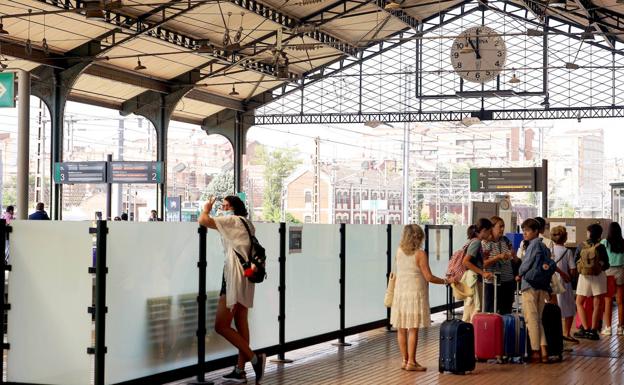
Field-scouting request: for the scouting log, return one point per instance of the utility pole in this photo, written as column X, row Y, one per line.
column 316, row 196
column 120, row 156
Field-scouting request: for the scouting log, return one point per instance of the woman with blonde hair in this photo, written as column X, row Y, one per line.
column 410, row 303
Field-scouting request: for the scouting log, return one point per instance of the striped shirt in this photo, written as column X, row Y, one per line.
column 503, row 268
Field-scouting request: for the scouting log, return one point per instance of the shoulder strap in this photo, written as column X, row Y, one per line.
column 250, row 236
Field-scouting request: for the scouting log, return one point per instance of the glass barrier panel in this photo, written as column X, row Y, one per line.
column 50, row 289
column 152, row 298
column 312, row 280
column 263, row 317
column 459, row 236
column 438, row 262
column 366, row 263
column 397, row 230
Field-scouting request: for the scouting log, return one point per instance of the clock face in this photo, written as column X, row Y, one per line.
column 478, row 54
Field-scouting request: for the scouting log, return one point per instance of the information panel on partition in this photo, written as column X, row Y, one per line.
column 505, row 179
column 79, row 172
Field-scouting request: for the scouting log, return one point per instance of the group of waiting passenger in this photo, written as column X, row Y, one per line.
column 488, row 258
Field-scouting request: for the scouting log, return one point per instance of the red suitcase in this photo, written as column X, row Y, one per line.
column 488, row 331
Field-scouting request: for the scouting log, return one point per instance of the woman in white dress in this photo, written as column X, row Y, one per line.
column 410, row 304
column 237, row 291
column 565, row 262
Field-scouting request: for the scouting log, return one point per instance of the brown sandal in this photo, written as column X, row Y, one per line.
column 414, row 367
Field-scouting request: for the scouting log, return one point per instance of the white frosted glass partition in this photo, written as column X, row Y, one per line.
column 459, row 236
column 151, row 298
column 49, row 328
column 366, row 267
column 438, row 262
column 312, row 282
column 263, row 318
column 397, row 230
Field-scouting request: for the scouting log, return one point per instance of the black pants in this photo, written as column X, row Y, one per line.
column 504, row 297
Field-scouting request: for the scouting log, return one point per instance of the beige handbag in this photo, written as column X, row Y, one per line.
column 390, row 290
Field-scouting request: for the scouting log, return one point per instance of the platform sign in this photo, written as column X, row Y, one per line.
column 135, row 172
column 504, row 179
column 7, row 89
column 79, row 172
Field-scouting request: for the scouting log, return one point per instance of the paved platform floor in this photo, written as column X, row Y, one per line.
column 373, row 358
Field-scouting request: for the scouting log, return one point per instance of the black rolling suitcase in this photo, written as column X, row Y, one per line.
column 551, row 321
column 457, row 354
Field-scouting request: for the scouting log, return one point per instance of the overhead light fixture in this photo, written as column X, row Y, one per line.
column 139, row 66
column 2, row 30
column 572, row 66
column 557, row 3
column 392, row 6
column 304, row 28
column 373, row 123
column 234, row 92
column 532, row 32
column 470, row 121
column 205, row 47
column 514, row 79
column 545, row 103
column 588, row 34
column 45, row 46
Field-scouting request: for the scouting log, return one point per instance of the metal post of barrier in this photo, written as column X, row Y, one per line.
column 343, row 264
column 201, row 311
column 281, row 359
column 100, row 309
column 388, row 268
column 4, row 305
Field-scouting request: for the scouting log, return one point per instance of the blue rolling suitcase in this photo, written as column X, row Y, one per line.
column 515, row 336
column 457, row 354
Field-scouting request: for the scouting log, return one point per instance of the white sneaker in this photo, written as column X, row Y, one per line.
column 620, row 331
column 606, row 331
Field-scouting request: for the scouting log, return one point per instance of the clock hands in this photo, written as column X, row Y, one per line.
column 476, row 49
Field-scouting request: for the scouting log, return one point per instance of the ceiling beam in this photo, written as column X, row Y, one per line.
column 216, row 100
column 291, row 22
column 134, row 26
column 588, row 9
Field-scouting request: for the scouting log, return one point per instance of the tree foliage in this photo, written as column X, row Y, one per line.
column 220, row 186
column 278, row 165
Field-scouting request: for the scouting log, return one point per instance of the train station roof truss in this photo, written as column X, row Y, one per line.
column 285, row 61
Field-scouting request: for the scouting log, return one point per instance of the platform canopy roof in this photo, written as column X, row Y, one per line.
column 231, row 54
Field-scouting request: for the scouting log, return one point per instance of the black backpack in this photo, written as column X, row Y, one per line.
column 257, row 256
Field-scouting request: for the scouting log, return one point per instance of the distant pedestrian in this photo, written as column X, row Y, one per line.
column 592, row 261
column 117, row 218
column 9, row 214
column 153, row 216
column 40, row 214
column 124, row 216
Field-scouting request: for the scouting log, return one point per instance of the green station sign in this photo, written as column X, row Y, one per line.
column 7, row 89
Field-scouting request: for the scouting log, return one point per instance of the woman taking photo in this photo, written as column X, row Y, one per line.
column 410, row 303
column 237, row 292
column 498, row 253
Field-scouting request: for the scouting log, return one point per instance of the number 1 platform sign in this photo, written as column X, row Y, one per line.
column 504, row 179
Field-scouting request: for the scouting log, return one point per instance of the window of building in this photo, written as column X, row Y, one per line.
column 307, row 219
column 308, row 196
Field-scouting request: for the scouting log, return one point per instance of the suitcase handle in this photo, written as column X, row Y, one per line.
column 495, row 276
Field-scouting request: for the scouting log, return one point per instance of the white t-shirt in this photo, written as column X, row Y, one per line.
column 238, row 289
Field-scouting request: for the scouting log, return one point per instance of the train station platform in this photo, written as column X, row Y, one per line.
column 373, row 358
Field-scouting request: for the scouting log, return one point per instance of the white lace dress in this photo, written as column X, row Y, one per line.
column 410, row 304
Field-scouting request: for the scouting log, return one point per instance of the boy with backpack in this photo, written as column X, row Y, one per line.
column 591, row 261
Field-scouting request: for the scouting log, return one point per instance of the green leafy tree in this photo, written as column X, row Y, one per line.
column 221, row 186
column 278, row 165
